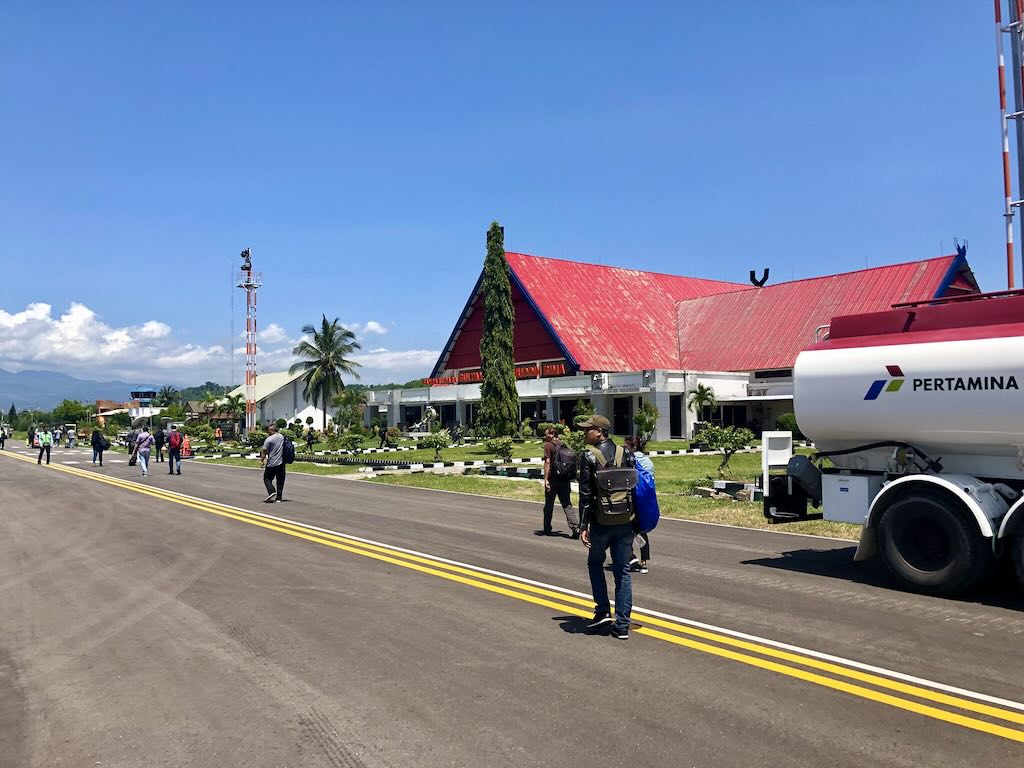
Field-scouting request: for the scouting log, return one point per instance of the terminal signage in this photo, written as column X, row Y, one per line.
column 522, row 372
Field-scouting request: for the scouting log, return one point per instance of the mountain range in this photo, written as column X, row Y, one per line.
column 46, row 389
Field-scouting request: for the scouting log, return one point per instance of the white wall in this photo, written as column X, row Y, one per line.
column 289, row 404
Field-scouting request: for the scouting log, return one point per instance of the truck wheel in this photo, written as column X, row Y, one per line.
column 931, row 546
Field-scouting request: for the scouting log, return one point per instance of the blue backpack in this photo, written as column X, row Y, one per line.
column 645, row 500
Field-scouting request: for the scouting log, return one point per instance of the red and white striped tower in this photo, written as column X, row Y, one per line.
column 250, row 281
column 1005, row 120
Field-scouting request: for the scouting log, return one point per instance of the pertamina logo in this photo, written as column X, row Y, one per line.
column 888, row 385
column 940, row 383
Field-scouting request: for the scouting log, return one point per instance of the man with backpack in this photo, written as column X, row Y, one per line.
column 174, row 442
column 559, row 472
column 277, row 451
column 161, row 439
column 607, row 480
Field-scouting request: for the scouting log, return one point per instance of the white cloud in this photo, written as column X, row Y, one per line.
column 78, row 342
column 273, row 334
column 362, row 329
column 154, row 329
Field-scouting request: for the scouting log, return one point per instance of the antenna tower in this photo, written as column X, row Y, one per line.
column 250, row 281
column 1015, row 29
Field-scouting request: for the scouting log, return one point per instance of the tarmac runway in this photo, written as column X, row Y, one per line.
column 178, row 620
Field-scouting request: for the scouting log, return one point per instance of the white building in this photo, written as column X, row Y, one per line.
column 279, row 396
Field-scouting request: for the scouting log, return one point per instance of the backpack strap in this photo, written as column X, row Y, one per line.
column 598, row 455
column 619, row 453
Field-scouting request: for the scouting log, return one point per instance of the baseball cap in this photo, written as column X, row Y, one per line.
column 600, row 422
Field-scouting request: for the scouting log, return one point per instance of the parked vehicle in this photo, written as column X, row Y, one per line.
column 917, row 417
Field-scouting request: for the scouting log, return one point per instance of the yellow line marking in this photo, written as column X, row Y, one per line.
column 540, row 596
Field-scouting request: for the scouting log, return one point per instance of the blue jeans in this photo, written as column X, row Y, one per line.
column 144, row 461
column 619, row 539
column 97, row 454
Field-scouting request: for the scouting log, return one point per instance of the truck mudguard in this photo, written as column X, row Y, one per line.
column 980, row 498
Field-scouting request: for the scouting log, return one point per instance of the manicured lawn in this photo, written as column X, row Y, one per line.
column 301, row 467
column 460, row 453
column 677, row 476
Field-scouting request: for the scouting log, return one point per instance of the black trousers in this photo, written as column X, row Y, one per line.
column 159, row 451
column 272, row 474
column 43, row 448
column 562, row 490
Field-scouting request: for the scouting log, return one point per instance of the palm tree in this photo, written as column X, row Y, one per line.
column 323, row 360
column 700, row 398
column 168, row 395
column 209, row 401
column 235, row 406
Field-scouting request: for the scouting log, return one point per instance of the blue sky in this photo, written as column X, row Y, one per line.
column 361, row 150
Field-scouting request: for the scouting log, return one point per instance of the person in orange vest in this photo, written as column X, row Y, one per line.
column 218, row 435
column 186, row 447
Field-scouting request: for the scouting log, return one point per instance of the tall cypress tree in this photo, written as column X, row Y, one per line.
column 12, row 415
column 499, row 401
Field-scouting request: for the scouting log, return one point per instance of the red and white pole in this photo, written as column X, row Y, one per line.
column 1007, row 186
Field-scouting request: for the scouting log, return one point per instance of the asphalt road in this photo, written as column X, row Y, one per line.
column 167, row 622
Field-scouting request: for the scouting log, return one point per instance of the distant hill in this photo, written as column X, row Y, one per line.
column 45, row 389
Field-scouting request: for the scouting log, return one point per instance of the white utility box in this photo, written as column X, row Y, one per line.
column 847, row 498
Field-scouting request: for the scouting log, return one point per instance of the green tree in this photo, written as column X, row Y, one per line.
column 728, row 440
column 351, row 403
column 646, row 420
column 70, row 412
column 499, row 401
column 12, row 415
column 438, row 440
column 323, row 360
column 700, row 399
column 234, row 405
column 167, row 395
column 210, row 400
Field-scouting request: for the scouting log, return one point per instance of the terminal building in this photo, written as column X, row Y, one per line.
column 617, row 338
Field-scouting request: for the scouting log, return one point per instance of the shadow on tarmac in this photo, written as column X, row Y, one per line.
column 1000, row 589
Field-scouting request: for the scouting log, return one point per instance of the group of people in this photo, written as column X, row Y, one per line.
column 601, row 526
column 143, row 443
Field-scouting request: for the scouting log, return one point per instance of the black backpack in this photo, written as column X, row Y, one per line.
column 288, row 451
column 563, row 461
column 613, row 487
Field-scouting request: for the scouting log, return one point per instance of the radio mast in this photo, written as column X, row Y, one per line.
column 250, row 281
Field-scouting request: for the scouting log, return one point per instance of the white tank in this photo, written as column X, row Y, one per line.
column 960, row 400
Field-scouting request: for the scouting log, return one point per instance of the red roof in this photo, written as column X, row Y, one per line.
column 633, row 330
column 768, row 327
column 649, row 320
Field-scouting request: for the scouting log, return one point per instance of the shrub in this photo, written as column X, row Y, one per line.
column 309, row 419
column 438, row 440
column 573, row 438
column 728, row 440
column 544, row 426
column 350, row 441
column 524, row 429
column 281, row 423
column 358, row 429
column 256, row 438
column 787, row 423
column 646, row 420
column 501, row 447
column 392, row 438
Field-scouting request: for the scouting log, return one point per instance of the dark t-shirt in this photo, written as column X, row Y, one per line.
column 549, row 450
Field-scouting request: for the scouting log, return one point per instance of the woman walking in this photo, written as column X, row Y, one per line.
column 638, row 445
column 145, row 444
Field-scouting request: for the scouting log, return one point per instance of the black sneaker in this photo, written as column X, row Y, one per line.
column 270, row 497
column 643, row 568
column 600, row 619
column 575, row 533
column 620, row 634
column 634, row 565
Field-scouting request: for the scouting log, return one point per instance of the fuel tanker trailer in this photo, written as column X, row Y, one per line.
column 917, row 415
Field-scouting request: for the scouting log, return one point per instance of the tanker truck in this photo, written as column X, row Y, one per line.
column 917, row 416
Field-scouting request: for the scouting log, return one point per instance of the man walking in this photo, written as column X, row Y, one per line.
column 45, row 442
column 159, row 438
column 99, row 445
column 383, row 427
column 174, row 442
column 272, row 461
column 606, row 524
column 558, row 476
